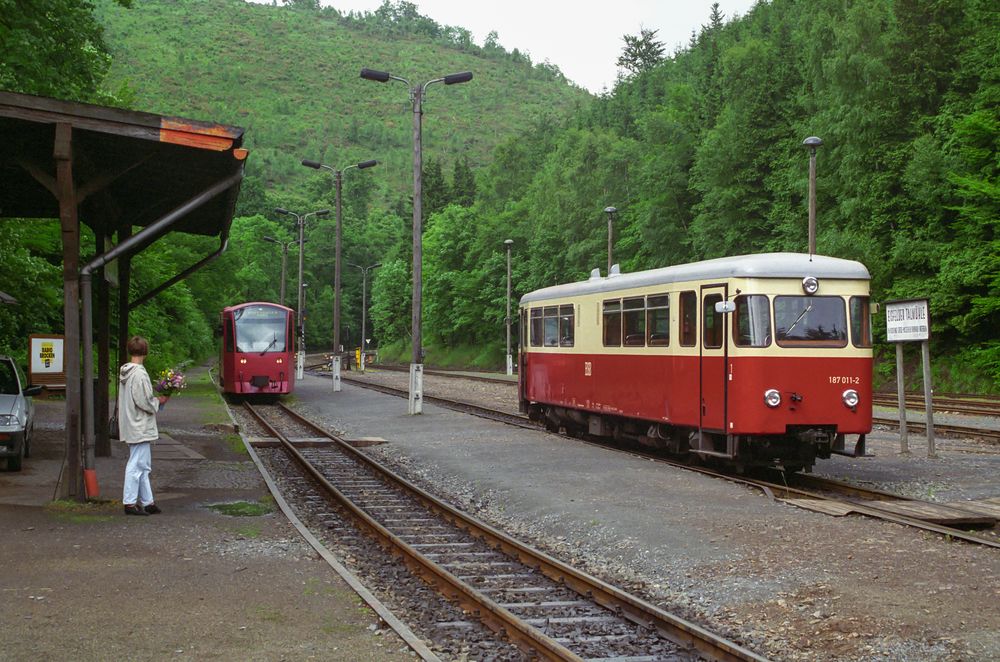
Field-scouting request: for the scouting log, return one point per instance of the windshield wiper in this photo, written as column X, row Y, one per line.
column 273, row 342
column 798, row 319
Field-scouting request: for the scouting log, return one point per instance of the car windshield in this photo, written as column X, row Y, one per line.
column 261, row 329
column 816, row 321
column 8, row 380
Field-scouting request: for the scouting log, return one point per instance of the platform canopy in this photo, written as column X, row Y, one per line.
column 132, row 178
column 129, row 168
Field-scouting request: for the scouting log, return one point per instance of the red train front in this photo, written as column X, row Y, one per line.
column 257, row 352
column 756, row 360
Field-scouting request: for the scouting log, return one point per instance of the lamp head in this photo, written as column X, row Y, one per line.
column 377, row 76
column 812, row 142
column 508, row 242
column 453, row 79
column 367, row 164
column 311, row 164
column 281, row 210
column 322, row 212
column 610, row 210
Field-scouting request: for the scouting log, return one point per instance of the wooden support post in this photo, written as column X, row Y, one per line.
column 124, row 278
column 925, row 352
column 72, row 484
column 904, row 445
column 102, row 446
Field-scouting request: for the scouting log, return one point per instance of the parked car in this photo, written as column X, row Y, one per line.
column 17, row 414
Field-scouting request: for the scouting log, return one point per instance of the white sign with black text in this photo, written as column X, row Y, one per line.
column 907, row 320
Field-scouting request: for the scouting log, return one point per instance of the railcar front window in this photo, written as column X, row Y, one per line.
column 802, row 321
column 635, row 322
column 752, row 321
column 566, row 326
column 658, row 321
column 861, row 322
column 613, row 323
column 536, row 327
column 261, row 329
column 551, row 319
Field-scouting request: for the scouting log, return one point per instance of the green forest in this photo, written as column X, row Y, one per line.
column 700, row 150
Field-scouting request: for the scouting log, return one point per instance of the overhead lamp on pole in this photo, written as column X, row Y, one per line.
column 611, row 212
column 510, row 362
column 300, row 221
column 417, row 92
column 364, row 309
column 811, row 143
column 338, row 176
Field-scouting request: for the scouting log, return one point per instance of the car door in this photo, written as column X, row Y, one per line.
column 712, row 369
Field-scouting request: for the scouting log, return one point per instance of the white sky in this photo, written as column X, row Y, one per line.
column 584, row 39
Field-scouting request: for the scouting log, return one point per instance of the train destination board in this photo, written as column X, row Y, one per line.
column 907, row 320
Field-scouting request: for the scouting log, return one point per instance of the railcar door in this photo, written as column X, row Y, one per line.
column 712, row 369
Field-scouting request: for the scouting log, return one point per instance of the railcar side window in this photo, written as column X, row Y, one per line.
column 551, row 320
column 613, row 323
column 566, row 325
column 752, row 321
column 713, row 324
column 635, row 322
column 524, row 328
column 689, row 319
column 801, row 321
column 227, row 334
column 536, row 327
column 658, row 321
column 861, row 322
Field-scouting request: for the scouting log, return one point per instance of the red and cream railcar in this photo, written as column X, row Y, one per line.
column 756, row 360
column 257, row 354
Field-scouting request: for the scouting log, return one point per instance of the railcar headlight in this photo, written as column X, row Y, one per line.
column 851, row 398
column 772, row 398
column 279, row 360
column 810, row 285
column 243, row 359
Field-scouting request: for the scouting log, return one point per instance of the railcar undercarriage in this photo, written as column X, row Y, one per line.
column 797, row 450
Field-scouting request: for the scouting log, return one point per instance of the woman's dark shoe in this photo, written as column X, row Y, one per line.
column 152, row 509
column 133, row 509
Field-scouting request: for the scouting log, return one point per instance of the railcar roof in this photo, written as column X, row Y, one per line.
column 256, row 303
column 761, row 265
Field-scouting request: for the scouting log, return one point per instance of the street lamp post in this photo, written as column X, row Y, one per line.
column 338, row 175
column 812, row 142
column 610, row 211
column 510, row 363
column 300, row 221
column 284, row 262
column 417, row 92
column 364, row 307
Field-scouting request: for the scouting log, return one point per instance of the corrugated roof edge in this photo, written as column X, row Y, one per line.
column 762, row 265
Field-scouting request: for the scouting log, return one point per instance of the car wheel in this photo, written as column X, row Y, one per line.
column 14, row 463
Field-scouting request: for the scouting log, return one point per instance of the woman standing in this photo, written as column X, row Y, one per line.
column 137, row 407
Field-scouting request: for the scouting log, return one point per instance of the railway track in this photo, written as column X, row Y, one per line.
column 987, row 434
column 970, row 405
column 545, row 608
column 823, row 495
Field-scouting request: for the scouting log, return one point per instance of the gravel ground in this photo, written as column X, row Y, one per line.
column 188, row 584
column 788, row 583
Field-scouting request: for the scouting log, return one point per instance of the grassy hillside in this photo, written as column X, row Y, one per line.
column 291, row 76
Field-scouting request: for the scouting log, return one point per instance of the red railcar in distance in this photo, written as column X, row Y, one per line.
column 257, row 353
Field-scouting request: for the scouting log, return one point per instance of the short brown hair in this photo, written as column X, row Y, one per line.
column 137, row 346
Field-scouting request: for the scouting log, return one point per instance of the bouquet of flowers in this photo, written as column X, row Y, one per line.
column 169, row 382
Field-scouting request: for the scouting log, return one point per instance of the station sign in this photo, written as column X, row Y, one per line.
column 908, row 320
column 46, row 361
